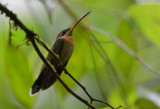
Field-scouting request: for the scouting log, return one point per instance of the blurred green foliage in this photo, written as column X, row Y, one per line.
column 124, row 81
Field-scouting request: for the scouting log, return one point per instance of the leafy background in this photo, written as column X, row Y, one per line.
column 121, row 81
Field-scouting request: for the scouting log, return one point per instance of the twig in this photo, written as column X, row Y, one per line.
column 31, row 36
column 108, row 104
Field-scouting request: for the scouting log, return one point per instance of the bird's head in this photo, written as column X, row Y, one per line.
column 68, row 32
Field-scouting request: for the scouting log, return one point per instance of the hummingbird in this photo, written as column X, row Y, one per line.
column 63, row 47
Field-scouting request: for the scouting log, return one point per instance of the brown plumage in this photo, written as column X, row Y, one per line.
column 63, row 46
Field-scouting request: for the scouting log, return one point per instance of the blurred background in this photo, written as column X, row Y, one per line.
column 107, row 70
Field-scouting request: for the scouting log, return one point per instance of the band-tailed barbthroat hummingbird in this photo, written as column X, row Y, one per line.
column 63, row 47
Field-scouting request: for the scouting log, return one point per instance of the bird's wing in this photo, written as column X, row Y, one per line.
column 58, row 46
column 57, row 49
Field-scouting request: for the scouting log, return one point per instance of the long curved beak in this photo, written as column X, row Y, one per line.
column 71, row 29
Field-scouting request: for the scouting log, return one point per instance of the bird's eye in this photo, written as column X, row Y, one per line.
column 63, row 33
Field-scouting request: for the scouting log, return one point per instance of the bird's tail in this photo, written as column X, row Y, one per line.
column 36, row 86
column 44, row 81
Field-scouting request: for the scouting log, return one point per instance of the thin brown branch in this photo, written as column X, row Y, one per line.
column 89, row 103
column 108, row 104
column 66, row 72
column 104, row 103
column 31, row 36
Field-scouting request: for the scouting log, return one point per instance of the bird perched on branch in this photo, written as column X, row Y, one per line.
column 63, row 47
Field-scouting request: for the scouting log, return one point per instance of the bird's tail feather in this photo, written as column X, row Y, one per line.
column 36, row 86
column 44, row 81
